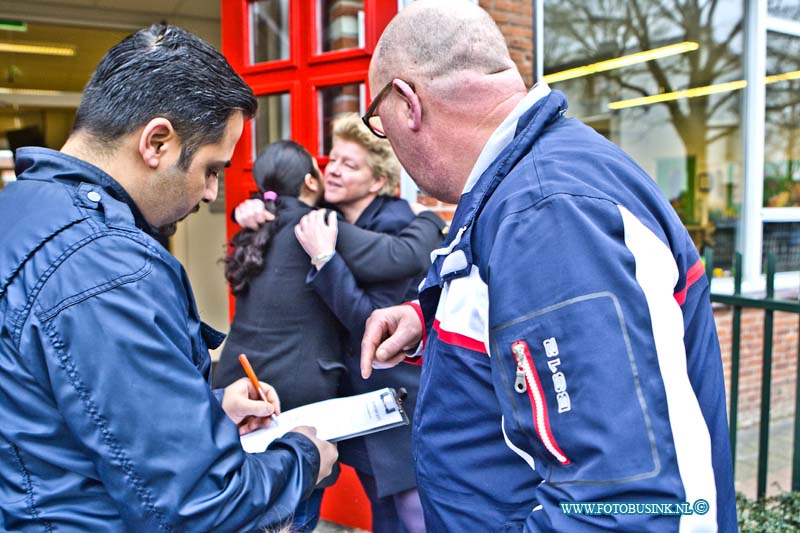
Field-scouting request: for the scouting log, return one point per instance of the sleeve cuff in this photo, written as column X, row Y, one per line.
column 414, row 357
column 308, row 454
column 218, row 394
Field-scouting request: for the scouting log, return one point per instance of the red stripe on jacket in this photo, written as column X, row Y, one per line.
column 695, row 273
column 457, row 339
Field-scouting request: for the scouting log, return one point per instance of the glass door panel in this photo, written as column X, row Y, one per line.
column 273, row 120
column 269, row 30
column 334, row 101
column 340, row 25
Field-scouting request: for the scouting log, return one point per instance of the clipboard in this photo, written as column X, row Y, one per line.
column 336, row 419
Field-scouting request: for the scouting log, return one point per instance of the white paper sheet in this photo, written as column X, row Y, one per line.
column 336, row 419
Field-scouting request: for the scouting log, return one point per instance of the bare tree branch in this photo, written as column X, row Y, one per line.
column 712, row 7
column 720, row 102
column 724, row 66
column 723, row 46
column 634, row 88
column 669, row 14
column 727, row 130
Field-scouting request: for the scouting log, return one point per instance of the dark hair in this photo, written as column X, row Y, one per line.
column 163, row 71
column 281, row 168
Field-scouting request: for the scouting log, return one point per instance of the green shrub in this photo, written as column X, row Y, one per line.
column 776, row 514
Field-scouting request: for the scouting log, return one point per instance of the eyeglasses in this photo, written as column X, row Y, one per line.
column 373, row 121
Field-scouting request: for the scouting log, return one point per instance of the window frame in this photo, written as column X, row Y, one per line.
column 302, row 74
column 754, row 215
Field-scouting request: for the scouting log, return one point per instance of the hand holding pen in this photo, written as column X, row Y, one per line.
column 250, row 403
column 327, row 450
column 248, row 369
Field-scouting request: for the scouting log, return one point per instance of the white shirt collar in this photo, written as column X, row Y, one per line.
column 504, row 134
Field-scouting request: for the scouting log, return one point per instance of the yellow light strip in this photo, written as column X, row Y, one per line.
column 624, row 61
column 44, row 49
column 685, row 93
column 786, row 76
column 33, row 92
column 700, row 91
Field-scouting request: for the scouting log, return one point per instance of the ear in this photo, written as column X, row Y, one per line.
column 377, row 184
column 158, row 138
column 311, row 182
column 413, row 105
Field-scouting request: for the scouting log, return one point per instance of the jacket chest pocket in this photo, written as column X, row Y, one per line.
column 574, row 391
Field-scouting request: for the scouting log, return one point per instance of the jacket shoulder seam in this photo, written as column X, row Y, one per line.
column 49, row 313
column 554, row 196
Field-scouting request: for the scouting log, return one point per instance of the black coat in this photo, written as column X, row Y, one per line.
column 385, row 455
column 289, row 336
column 282, row 324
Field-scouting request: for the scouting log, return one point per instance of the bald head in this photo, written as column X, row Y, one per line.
column 453, row 83
column 440, row 39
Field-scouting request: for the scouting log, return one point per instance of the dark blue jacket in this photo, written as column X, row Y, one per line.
column 571, row 351
column 385, row 455
column 107, row 421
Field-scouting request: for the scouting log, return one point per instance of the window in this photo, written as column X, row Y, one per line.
column 781, row 235
column 269, row 30
column 782, row 148
column 333, row 102
column 340, row 24
column 782, row 239
column 272, row 122
column 788, row 9
column 307, row 62
column 675, row 107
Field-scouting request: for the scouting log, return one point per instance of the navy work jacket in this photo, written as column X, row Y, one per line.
column 571, row 355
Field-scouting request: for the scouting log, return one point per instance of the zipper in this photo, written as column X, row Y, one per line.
column 527, row 380
column 519, row 382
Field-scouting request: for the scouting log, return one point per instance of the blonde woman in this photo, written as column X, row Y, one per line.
column 361, row 181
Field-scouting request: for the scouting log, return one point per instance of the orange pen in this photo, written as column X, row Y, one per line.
column 252, row 375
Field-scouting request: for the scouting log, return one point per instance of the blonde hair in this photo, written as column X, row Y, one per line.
column 380, row 156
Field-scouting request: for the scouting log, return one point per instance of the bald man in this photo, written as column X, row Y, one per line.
column 570, row 352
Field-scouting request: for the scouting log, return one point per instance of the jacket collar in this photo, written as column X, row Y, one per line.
column 367, row 217
column 290, row 209
column 455, row 258
column 43, row 164
column 504, row 134
column 291, row 203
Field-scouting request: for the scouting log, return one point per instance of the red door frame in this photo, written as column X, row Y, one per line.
column 301, row 76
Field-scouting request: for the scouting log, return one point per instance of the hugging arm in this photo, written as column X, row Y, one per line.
column 374, row 257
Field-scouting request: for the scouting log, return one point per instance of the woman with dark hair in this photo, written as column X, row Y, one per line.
column 290, row 336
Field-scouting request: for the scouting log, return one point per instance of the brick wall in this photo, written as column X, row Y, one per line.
column 784, row 362
column 515, row 19
column 340, row 21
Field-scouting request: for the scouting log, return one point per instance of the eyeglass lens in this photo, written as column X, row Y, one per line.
column 375, row 124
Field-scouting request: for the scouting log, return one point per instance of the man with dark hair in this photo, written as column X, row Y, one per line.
column 107, row 422
column 570, row 352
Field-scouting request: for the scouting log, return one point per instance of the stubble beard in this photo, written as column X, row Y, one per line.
column 168, row 230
